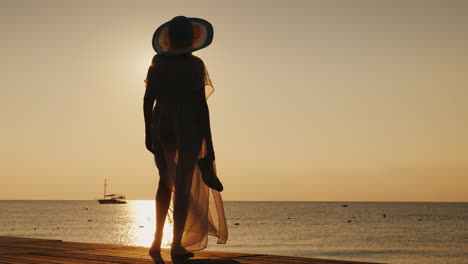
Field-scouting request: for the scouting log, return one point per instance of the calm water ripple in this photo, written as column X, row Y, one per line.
column 367, row 231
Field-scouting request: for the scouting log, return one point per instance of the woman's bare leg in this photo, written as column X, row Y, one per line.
column 183, row 185
column 163, row 199
column 163, row 195
column 189, row 141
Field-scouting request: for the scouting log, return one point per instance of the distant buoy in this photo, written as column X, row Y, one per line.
column 419, row 219
column 89, row 220
column 344, row 205
column 349, row 221
column 236, row 224
column 384, row 215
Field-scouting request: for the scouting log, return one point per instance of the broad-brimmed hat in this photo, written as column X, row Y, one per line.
column 182, row 35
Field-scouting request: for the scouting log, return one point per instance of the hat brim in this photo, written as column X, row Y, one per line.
column 202, row 37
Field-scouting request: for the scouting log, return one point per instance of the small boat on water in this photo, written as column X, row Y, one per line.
column 112, row 198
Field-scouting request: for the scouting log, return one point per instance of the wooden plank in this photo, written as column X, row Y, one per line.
column 49, row 260
column 44, row 246
column 9, row 239
column 298, row 260
column 220, row 254
column 92, row 257
column 4, row 251
column 266, row 259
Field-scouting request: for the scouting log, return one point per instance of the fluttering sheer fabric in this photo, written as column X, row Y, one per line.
column 181, row 134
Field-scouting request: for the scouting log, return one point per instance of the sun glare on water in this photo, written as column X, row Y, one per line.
column 145, row 222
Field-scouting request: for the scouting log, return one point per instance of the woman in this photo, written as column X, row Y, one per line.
column 178, row 134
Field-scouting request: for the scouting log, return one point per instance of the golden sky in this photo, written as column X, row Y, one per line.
column 314, row 100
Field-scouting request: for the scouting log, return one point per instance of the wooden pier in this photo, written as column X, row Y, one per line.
column 35, row 251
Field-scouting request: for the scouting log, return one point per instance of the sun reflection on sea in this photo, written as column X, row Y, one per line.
column 143, row 215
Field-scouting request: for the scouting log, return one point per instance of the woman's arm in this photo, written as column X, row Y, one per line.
column 148, row 104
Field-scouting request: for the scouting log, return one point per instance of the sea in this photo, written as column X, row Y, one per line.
column 387, row 232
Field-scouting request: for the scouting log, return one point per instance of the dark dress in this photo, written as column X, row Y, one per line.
column 180, row 134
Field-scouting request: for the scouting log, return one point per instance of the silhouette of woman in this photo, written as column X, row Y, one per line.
column 178, row 134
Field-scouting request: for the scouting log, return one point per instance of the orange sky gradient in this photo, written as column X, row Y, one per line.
column 314, row 100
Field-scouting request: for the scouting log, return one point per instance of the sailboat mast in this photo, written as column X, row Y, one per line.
column 105, row 185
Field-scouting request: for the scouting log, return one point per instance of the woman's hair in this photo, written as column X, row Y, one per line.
column 180, row 32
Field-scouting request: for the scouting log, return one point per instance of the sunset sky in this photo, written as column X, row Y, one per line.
column 314, row 100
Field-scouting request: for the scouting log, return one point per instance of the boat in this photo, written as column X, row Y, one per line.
column 114, row 198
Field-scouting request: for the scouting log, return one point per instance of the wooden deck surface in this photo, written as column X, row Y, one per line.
column 34, row 251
